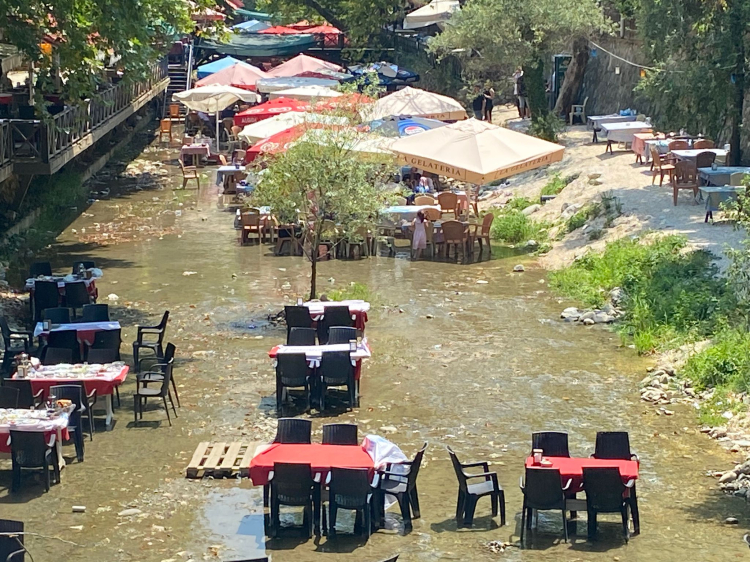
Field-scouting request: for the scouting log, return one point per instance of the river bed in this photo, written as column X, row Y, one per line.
column 474, row 366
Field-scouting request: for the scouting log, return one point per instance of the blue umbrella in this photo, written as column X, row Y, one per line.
column 215, row 66
column 251, row 26
column 403, row 126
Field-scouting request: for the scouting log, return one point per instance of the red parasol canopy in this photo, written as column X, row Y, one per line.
column 269, row 109
column 302, row 63
column 280, row 30
column 239, row 75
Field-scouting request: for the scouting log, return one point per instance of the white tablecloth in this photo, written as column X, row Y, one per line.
column 314, row 353
column 77, row 326
column 317, row 308
column 598, row 120
column 623, row 132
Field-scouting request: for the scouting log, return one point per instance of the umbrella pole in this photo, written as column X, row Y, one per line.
column 218, row 149
column 476, row 200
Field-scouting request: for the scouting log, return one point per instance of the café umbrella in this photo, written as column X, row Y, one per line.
column 269, row 109
column 415, row 103
column 475, row 152
column 213, row 99
column 268, row 127
column 239, row 75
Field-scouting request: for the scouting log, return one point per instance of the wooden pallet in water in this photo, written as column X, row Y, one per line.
column 221, row 460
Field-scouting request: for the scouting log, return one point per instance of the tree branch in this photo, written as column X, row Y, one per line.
column 326, row 13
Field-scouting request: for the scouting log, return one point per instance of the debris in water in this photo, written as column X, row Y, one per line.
column 187, row 273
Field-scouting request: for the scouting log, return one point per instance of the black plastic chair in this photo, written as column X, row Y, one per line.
column 67, row 339
column 77, row 395
column 40, row 268
column 15, row 342
column 87, row 264
column 95, row 313
column 157, row 372
column 336, row 370
column 469, row 494
column 616, row 445
column 56, row 355
column 292, row 485
column 543, row 491
column 340, row 434
column 341, row 334
column 157, row 345
column 30, row 450
column 297, row 317
column 552, row 443
column 46, row 295
column 605, row 493
column 301, row 336
column 333, row 316
column 11, row 541
column 402, row 486
column 76, row 296
column 8, row 397
column 143, row 393
column 26, row 397
column 108, row 339
column 57, row 315
column 293, row 430
column 349, row 488
column 292, row 372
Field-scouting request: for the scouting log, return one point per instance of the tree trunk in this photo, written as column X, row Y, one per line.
column 736, row 111
column 327, row 14
column 573, row 77
column 314, row 266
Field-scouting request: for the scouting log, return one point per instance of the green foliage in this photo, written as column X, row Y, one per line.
column 519, row 203
column 353, row 291
column 725, row 363
column 557, row 183
column 710, row 411
column 585, row 214
column 546, row 125
column 513, row 227
column 672, row 296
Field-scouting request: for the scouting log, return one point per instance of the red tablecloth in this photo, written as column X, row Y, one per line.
column 320, row 457
column 639, row 145
column 5, row 434
column 102, row 386
column 572, row 468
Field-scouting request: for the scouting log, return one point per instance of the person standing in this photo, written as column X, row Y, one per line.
column 419, row 237
column 477, row 106
column 489, row 96
column 519, row 89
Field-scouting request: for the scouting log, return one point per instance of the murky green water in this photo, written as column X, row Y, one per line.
column 490, row 365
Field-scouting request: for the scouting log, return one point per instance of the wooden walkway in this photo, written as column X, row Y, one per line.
column 222, row 460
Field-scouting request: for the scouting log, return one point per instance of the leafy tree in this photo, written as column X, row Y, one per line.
column 495, row 36
column 73, row 39
column 327, row 186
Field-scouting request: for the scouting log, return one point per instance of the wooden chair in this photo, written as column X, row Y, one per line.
column 455, row 234
column 187, row 140
column 482, row 232
column 250, row 226
column 578, row 111
column 685, row 176
column 400, row 201
column 424, row 200
column 174, row 111
column 703, row 143
column 662, row 165
column 679, row 145
column 165, row 128
column 736, row 178
column 448, row 203
column 432, row 215
column 705, row 159
column 189, row 173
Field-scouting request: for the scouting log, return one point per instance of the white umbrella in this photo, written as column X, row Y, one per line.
column 356, row 142
column 306, row 93
column 270, row 85
column 213, row 99
column 437, row 11
column 415, row 103
column 268, row 127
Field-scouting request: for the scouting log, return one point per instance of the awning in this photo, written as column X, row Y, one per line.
column 436, row 12
column 268, row 109
column 260, row 45
column 239, row 75
column 215, row 66
column 250, row 14
column 250, row 26
column 416, row 103
column 307, row 93
column 303, row 63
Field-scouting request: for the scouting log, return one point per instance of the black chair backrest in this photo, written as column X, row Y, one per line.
column 5, row 331
column 46, row 295
column 333, row 316
column 543, row 488
column 415, row 466
column 95, row 313
column 73, row 392
column 604, row 489
column 340, row 434
column 63, row 338
column 293, row 430
column 612, row 445
column 169, row 352
column 458, row 470
column 341, row 334
column 336, row 367
column 25, row 391
column 28, row 448
column 8, row 397
column 552, row 443
column 57, row 315
column 103, row 355
column 56, row 355
column 292, row 369
column 297, row 317
column 76, row 294
column 107, row 339
column 349, row 487
column 301, row 336
column 10, row 542
column 293, row 482
column 87, row 264
column 37, row 269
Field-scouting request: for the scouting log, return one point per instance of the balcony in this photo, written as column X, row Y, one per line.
column 35, row 147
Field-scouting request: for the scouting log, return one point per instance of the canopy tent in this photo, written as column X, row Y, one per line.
column 260, row 45
column 269, row 85
column 269, row 109
column 388, row 74
column 417, row 103
column 436, row 12
column 280, row 30
column 213, row 99
column 325, row 74
column 250, row 26
column 404, row 126
column 307, row 93
column 476, row 152
column 215, row 66
column 278, row 123
column 239, row 75
column 300, row 64
column 250, row 14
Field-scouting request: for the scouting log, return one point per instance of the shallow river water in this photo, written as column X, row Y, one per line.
column 471, row 365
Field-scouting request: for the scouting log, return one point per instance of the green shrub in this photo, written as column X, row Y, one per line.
column 710, row 411
column 725, row 363
column 557, row 183
column 513, row 227
column 585, row 214
column 353, row 291
column 519, row 203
